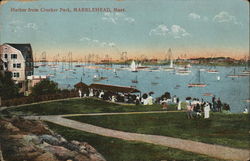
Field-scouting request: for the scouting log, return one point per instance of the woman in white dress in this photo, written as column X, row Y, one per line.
column 179, row 106
column 206, row 111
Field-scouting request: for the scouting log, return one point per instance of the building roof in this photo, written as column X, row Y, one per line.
column 25, row 49
column 81, row 85
column 113, row 88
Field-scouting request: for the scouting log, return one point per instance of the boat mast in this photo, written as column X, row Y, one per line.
column 199, row 76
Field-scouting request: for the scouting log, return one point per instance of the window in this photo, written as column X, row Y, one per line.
column 30, row 73
column 17, row 65
column 5, row 64
column 16, row 75
column 5, row 56
column 13, row 56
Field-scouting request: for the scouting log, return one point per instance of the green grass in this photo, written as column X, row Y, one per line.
column 85, row 105
column 230, row 130
column 119, row 150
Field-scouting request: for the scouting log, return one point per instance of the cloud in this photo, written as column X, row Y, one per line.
column 197, row 17
column 194, row 16
column 117, row 17
column 178, row 31
column 225, row 17
column 160, row 30
column 175, row 31
column 85, row 39
column 102, row 44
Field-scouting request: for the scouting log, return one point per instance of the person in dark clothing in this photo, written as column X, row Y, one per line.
column 219, row 104
column 214, row 103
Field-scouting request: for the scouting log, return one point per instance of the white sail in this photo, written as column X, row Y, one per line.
column 171, row 64
column 133, row 66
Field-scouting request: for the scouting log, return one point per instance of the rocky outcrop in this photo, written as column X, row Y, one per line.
column 28, row 140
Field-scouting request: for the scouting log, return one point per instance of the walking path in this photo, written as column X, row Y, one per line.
column 216, row 151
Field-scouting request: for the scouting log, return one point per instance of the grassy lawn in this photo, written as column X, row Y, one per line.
column 229, row 130
column 85, row 105
column 119, row 150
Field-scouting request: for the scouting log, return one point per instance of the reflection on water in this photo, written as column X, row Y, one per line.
column 234, row 91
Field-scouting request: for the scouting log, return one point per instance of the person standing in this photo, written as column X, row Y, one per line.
column 213, row 102
column 179, row 105
column 206, row 111
column 219, row 104
column 150, row 100
column 80, row 93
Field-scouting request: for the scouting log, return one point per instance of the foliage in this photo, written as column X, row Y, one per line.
column 44, row 87
column 8, row 89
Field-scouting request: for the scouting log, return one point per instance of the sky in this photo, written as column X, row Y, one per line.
column 145, row 28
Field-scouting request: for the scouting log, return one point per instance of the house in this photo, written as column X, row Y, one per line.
column 17, row 59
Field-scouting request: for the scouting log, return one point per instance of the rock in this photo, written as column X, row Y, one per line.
column 50, row 139
column 89, row 148
column 60, row 152
column 46, row 157
column 82, row 149
column 82, row 158
column 9, row 127
column 32, row 138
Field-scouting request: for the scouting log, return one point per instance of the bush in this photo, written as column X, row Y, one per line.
column 45, row 87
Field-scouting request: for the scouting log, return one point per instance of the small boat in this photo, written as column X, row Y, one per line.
column 207, row 94
column 212, row 71
column 171, row 66
column 196, row 85
column 135, row 80
column 99, row 78
column 50, row 75
column 154, row 83
column 234, row 75
column 183, row 71
column 199, row 83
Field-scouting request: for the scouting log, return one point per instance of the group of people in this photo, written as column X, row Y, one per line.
column 146, row 99
column 194, row 106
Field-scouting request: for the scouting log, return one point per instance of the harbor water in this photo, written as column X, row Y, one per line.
column 234, row 91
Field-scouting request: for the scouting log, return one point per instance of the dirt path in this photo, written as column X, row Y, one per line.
column 215, row 151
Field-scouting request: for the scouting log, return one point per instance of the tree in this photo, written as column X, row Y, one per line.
column 8, row 89
column 44, row 87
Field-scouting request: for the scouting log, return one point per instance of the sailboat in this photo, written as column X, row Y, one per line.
column 116, row 75
column 98, row 77
column 234, row 75
column 133, row 67
column 171, row 65
column 213, row 71
column 198, row 83
column 135, row 80
column 183, row 71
